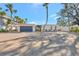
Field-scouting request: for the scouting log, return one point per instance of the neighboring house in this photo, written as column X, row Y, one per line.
column 3, row 20
column 49, row 27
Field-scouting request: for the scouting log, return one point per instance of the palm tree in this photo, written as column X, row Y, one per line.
column 2, row 13
column 19, row 20
column 0, row 8
column 8, row 22
column 26, row 19
column 46, row 7
column 12, row 11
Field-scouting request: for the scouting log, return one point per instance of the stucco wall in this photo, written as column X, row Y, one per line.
column 1, row 22
column 58, row 28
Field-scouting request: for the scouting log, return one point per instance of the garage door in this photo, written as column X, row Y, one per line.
column 26, row 28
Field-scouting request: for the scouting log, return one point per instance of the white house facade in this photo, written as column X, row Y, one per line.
column 3, row 20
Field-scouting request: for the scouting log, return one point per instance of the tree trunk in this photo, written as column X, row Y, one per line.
column 46, row 18
column 68, row 23
column 11, row 22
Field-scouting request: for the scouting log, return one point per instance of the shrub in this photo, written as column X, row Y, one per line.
column 74, row 29
column 2, row 30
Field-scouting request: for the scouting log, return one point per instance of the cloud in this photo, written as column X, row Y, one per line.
column 36, row 5
column 32, row 22
column 54, row 16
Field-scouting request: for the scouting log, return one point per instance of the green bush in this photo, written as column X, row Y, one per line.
column 2, row 30
column 74, row 29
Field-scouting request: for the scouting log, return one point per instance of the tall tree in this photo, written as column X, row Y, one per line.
column 26, row 19
column 0, row 8
column 61, row 22
column 72, row 11
column 65, row 13
column 10, row 9
column 46, row 7
column 19, row 20
column 66, row 7
column 2, row 13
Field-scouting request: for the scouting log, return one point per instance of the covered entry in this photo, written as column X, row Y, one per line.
column 26, row 29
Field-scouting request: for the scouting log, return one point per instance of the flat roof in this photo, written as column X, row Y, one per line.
column 26, row 24
column 7, row 17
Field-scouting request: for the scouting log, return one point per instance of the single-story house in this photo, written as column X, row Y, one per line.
column 34, row 28
column 18, row 27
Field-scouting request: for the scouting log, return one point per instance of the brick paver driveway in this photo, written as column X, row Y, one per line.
column 39, row 44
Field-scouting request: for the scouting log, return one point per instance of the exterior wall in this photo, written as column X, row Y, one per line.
column 18, row 28
column 33, row 26
column 49, row 27
column 42, row 28
column 58, row 28
column 53, row 27
column 3, row 20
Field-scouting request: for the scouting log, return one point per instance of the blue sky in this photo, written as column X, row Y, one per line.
column 35, row 12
